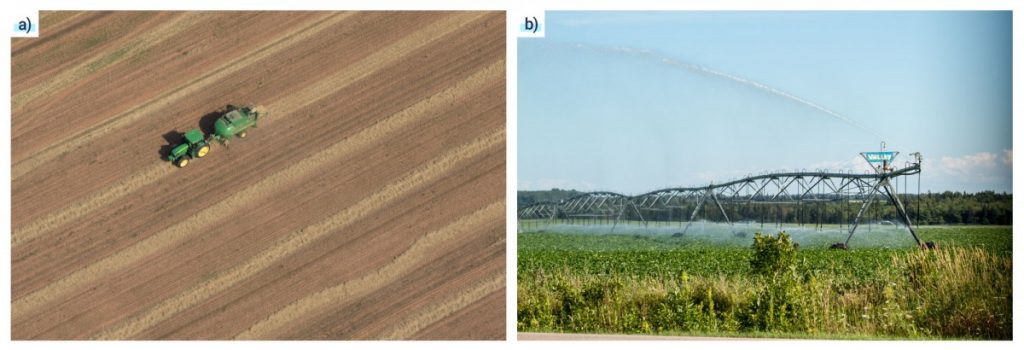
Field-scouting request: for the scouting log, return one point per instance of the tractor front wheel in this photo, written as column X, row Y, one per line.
column 203, row 151
column 241, row 134
column 183, row 162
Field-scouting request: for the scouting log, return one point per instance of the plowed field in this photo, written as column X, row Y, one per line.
column 369, row 204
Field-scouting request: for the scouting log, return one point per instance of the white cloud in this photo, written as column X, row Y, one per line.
column 967, row 165
column 972, row 172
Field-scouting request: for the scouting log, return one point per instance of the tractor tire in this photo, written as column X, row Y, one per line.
column 241, row 134
column 183, row 162
column 203, row 151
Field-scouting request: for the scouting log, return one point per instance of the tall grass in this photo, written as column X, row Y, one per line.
column 949, row 293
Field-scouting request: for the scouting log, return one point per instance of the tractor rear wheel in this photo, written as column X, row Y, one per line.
column 183, row 162
column 241, row 134
column 203, row 151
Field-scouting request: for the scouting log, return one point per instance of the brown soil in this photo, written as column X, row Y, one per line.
column 386, row 131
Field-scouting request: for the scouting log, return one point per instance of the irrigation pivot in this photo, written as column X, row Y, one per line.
column 804, row 194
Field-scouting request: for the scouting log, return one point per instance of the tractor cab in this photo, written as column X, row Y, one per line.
column 194, row 136
column 195, row 146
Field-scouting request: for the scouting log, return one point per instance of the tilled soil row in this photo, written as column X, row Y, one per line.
column 335, row 189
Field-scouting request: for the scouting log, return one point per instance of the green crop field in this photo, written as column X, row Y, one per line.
column 660, row 284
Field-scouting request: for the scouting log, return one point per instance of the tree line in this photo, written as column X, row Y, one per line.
column 944, row 208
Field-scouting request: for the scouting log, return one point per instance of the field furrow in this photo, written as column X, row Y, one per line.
column 306, row 235
column 385, row 139
column 407, row 328
column 354, row 289
column 373, row 91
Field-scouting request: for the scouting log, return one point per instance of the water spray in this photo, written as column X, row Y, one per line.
column 692, row 67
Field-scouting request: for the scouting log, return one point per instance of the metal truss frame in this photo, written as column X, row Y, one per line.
column 770, row 188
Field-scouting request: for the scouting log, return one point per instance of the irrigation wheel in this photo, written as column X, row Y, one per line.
column 203, row 151
column 183, row 162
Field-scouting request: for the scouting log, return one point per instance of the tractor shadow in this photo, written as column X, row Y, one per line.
column 173, row 138
column 206, row 125
column 207, row 121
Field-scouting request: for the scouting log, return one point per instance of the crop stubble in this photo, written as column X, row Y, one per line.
column 135, row 181
column 156, row 257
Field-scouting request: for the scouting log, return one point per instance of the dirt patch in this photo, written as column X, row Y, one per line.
column 403, row 264
column 136, row 246
column 407, row 328
column 300, row 171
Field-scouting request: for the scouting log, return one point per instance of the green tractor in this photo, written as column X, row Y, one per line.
column 195, row 146
column 234, row 122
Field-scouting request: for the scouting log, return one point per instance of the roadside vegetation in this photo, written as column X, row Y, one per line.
column 665, row 285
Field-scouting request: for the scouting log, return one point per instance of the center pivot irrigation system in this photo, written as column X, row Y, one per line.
column 761, row 196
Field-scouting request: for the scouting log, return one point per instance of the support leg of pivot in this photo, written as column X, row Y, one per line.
column 696, row 209
column 902, row 212
column 864, row 207
column 722, row 209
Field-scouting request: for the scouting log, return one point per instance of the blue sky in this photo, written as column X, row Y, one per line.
column 635, row 101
